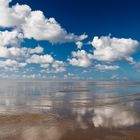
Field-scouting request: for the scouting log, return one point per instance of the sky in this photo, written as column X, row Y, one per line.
column 70, row 39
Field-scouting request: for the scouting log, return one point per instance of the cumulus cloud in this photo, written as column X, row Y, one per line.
column 24, row 23
column 81, row 58
column 105, row 49
column 17, row 52
column 79, row 44
column 59, row 70
column 13, row 16
column 59, row 66
column 10, row 38
column 47, row 62
column 34, row 24
column 41, row 28
column 40, row 59
column 114, row 49
column 11, row 63
column 106, row 67
column 11, row 52
column 37, row 49
column 45, row 66
column 55, row 67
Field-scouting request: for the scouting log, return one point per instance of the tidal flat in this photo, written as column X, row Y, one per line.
column 69, row 110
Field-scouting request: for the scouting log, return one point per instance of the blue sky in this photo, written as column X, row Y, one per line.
column 75, row 39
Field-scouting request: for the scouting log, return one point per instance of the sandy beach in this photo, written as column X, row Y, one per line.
column 42, row 127
column 100, row 111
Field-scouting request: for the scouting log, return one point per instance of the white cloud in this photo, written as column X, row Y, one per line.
column 106, row 67
column 114, row 49
column 69, row 76
column 79, row 44
column 14, row 16
column 41, row 28
column 24, row 54
column 37, row 49
column 40, row 59
column 45, row 66
column 34, row 24
column 19, row 52
column 54, row 67
column 81, row 58
column 29, row 24
column 11, row 38
column 10, row 45
column 58, row 66
column 11, row 63
column 105, row 49
column 59, row 69
column 11, row 52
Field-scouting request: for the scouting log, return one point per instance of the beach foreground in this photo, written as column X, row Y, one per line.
column 43, row 127
column 69, row 111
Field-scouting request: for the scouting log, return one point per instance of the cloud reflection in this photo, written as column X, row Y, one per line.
column 115, row 116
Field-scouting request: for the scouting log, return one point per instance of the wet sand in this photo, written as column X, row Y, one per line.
column 43, row 127
column 69, row 111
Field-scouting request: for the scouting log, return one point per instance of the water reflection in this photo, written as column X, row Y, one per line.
column 115, row 116
column 52, row 110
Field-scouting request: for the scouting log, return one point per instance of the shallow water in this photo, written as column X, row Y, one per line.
column 46, row 110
